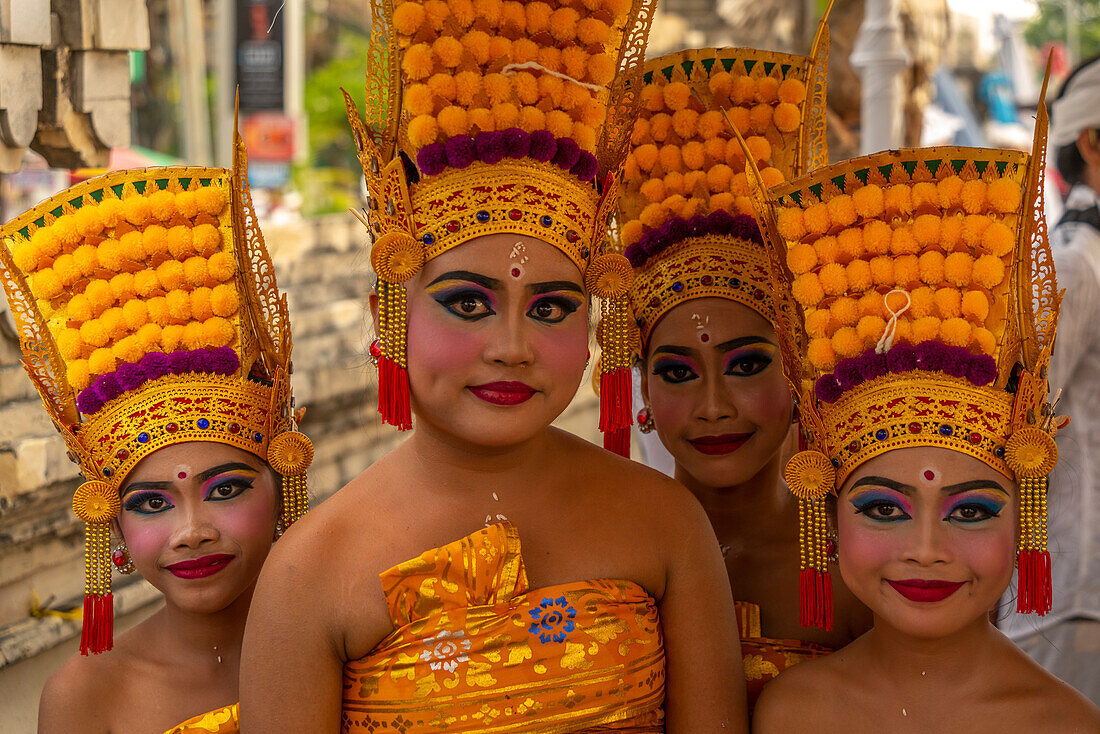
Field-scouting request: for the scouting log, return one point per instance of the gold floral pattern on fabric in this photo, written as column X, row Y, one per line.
column 766, row 657
column 474, row 648
column 225, row 720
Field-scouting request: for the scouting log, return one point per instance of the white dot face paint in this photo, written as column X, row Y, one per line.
column 517, row 257
column 701, row 330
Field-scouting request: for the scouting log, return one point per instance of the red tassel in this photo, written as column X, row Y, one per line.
column 1033, row 571
column 815, row 599
column 97, row 631
column 615, row 400
column 393, row 394
column 618, row 441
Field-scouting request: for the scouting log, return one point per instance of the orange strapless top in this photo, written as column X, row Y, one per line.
column 475, row 649
column 766, row 657
column 220, row 721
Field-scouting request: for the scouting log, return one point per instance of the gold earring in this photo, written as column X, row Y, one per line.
column 120, row 556
column 645, row 420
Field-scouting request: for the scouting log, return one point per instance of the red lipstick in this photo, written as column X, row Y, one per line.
column 727, row 443
column 503, row 393
column 201, row 567
column 925, row 590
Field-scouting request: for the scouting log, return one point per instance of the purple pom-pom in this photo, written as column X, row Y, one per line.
column 88, row 401
column 744, row 227
column 130, row 376
column 200, row 361
column 901, row 357
column 224, row 361
column 180, row 363
column 107, row 387
column 676, row 229
column 720, row 221
column 460, row 151
column 154, row 365
column 567, row 153
column 872, row 365
column 586, row 166
column 956, row 361
column 432, row 159
column 848, row 373
column 517, row 143
column 930, row 356
column 543, row 145
column 827, row 389
column 635, row 254
column 697, row 226
column 651, row 242
column 982, row 370
column 490, row 147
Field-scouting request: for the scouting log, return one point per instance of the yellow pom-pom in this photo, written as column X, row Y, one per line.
column 145, row 283
column 949, row 192
column 584, row 136
column 899, row 200
column 871, row 304
column 47, row 242
column 819, row 323
column 122, row 287
column 559, row 123
column 821, row 355
column 448, row 50
column 419, row 100
column 903, row 331
column 827, row 250
column 973, row 196
column 170, row 275
column 816, row 218
column 882, row 270
column 78, row 374
column 771, row 177
column 975, row 306
column 973, row 230
column 807, row 290
column 163, row 204
column 844, row 311
column 926, row 329
column 70, row 344
column 787, row 117
column 955, row 331
column 218, row 332
column 846, row 342
column 158, row 311
column 171, row 337
column 468, row 84
column 684, row 123
column 206, row 239
column 195, row 271
column 925, row 196
column 180, row 240
column 408, row 17
column 99, row 294
column 906, row 271
column 902, row 242
column 801, row 259
column 792, row 91
column 767, row 90
column 998, row 239
column 931, row 266
column 135, row 314
column 224, row 301
column 868, row 201
column 859, row 276
column 593, row 32
column 452, row 121
column 877, row 237
column 871, row 328
column 86, row 259
column 110, row 212
column 1004, row 195
column 87, row 221
column 790, row 225
column 711, row 125
column 128, row 349
column 154, row 242
column 948, row 303
column 80, row 308
column 951, row 229
column 926, row 229
column 601, row 69
column 841, row 210
column 65, row 269
column 958, row 268
column 149, row 337
column 532, row 119
column 987, row 343
column 67, row 234
column 417, row 61
column 187, row 204
column 137, row 210
column 989, row 271
column 922, row 302
column 45, row 284
column 194, row 336
column 25, row 255
column 760, row 118
column 833, row 279
column 849, row 244
column 102, row 361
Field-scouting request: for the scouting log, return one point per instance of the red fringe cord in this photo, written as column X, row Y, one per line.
column 393, row 394
column 616, row 416
column 1033, row 570
column 618, row 441
column 815, row 597
column 97, row 632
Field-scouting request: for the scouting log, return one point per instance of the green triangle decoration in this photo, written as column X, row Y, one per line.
column 687, row 67
column 648, row 77
column 204, row 181
column 98, row 196
column 784, row 69
column 980, row 166
column 909, row 167
column 768, row 66
column 185, row 183
column 749, row 63
column 76, row 203
column 839, row 181
column 162, row 183
column 117, row 188
column 1001, row 166
column 727, row 64
column 862, row 175
column 667, row 72
column 796, row 197
column 934, row 165
column 708, row 64
column 958, row 166
column 57, row 212
column 886, row 170
column 815, row 189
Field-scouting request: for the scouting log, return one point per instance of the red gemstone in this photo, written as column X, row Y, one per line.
column 654, row 302
column 830, row 547
column 118, row 558
column 515, row 215
column 974, row 438
column 234, row 428
column 853, row 446
column 643, row 416
column 375, row 349
column 914, row 427
column 758, row 294
column 572, row 236
column 171, row 427
column 122, row 454
column 706, row 280
column 453, row 225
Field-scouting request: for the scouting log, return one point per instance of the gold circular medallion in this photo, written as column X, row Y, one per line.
column 810, row 475
column 290, row 453
column 1031, row 453
column 96, row 502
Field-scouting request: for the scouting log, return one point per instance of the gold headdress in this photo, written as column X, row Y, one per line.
column 148, row 315
column 685, row 217
column 517, row 116
column 917, row 306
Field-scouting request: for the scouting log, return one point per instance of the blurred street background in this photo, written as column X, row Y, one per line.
column 88, row 86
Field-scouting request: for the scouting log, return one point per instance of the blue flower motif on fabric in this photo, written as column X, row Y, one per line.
column 553, row 619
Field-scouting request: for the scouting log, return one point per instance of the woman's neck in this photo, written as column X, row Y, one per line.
column 761, row 497
column 205, row 638
column 456, row 461
column 960, row 658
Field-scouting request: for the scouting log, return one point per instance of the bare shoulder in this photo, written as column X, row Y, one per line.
column 804, row 691
column 1054, row 705
column 80, row 694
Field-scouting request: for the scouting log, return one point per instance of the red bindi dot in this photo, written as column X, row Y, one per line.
column 515, row 272
column 929, row 474
column 704, row 338
column 182, row 475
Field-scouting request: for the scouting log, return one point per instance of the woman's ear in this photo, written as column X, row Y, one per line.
column 372, row 301
column 644, row 381
column 1088, row 143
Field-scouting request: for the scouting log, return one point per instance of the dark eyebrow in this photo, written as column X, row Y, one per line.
column 221, row 469
column 883, row 482
column 682, row 351
column 954, row 489
column 742, row 341
column 147, row 487
column 483, row 280
column 555, row 285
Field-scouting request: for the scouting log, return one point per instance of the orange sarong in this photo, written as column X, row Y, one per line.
column 766, row 657
column 475, row 649
column 219, row 721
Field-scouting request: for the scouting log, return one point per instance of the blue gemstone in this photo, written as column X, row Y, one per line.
column 882, row 434
column 735, row 283
column 202, row 423
column 545, row 220
column 143, row 437
column 257, row 437
column 482, row 216
column 640, row 322
column 836, row 463
column 107, row 471
column 428, row 239
column 677, row 286
column 999, row 452
column 946, row 430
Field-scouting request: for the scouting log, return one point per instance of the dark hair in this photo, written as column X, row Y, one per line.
column 1068, row 160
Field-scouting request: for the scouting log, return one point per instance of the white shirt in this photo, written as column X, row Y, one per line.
column 1074, row 491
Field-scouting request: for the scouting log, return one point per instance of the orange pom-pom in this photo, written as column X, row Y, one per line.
column 87, row 222
column 718, row 178
column 423, row 130
column 821, row 355
column 694, row 156
column 171, row 337
column 949, row 191
column 46, row 242
column 408, row 17
column 958, row 268
column 80, row 308
column 206, row 239
column 94, row 333
column 710, row 125
column 767, row 90
column 187, row 204
column 593, row 32
column 871, row 304
column 86, row 259
column 102, row 361
column 218, row 332
column 70, row 344
column 926, row 229
column 849, row 244
column 925, row 196
column 973, row 196
column 584, row 136
column 951, row 228
column 136, row 210
column 532, row 119
column 807, row 290
column 65, row 231
column 194, row 337
column 787, row 117
column 178, row 303
column 468, row 86
column 149, row 337
column 575, row 61
column 739, row 116
column 653, row 189
column 877, row 237
column 844, row 311
column 477, row 44
column 841, row 210
column 111, row 214
column 170, row 275
column 868, row 201
column 153, row 243
column 417, row 61
column 513, row 18
column 675, row 204
column 739, row 185
column 987, row 343
column 846, row 342
column 720, row 84
column 871, row 328
column 819, row 323
column 743, row 204
column 122, row 287
column 224, row 301
column 792, row 91
column 948, row 302
column 65, row 269
column 670, row 158
column 631, row 232
column 221, row 266
column 859, row 276
column 922, row 302
column 723, row 201
column 78, row 374
column 801, row 259
column 601, row 69
column 1004, row 195
column 46, row 285
column 973, row 230
column 482, row 120
column 128, row 349
column 975, row 306
column 931, row 265
column 902, row 242
column 526, row 87
column 827, row 250
column 563, row 24
column 760, row 117
column 771, row 177
column 882, row 270
column 926, row 329
column 145, row 283
column 743, row 91
column 660, row 125
column 135, row 314
column 559, row 123
column 715, row 149
column 817, row 219
column 989, row 271
column 538, row 18
column 653, row 215
column 998, row 239
column 955, row 332
column 573, row 97
column 452, row 121
column 488, row 10
column 549, row 58
column 684, row 122
column 899, row 199
column 676, row 96
column 419, row 100
column 26, row 256
column 503, row 116
column 195, row 271
column 550, row 88
column 903, row 331
column 163, row 204
column 443, row 85
column 653, row 98
column 906, row 271
column 448, row 50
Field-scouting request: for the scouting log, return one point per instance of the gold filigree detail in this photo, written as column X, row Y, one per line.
column 809, row 475
column 96, row 502
column 1031, row 453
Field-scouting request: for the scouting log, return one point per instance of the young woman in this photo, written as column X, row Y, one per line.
column 930, row 421
column 493, row 573
column 711, row 373
column 151, row 325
